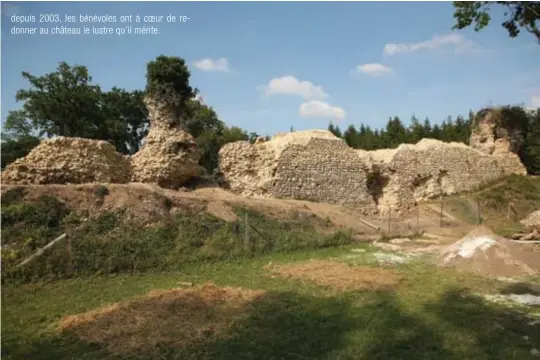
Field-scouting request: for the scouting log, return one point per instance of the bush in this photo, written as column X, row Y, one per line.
column 102, row 191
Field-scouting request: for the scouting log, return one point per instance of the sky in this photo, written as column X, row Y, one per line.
column 270, row 66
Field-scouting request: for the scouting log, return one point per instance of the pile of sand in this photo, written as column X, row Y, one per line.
column 484, row 252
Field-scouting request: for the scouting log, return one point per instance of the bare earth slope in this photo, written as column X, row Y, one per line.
column 150, row 203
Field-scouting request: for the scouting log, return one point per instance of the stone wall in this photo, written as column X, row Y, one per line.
column 63, row 160
column 316, row 165
column 429, row 169
column 308, row 165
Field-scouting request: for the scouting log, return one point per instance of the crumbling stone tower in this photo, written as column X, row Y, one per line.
column 169, row 156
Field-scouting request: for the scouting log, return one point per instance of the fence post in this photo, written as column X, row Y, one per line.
column 246, row 232
column 478, row 211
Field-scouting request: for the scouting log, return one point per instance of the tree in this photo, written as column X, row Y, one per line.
column 167, row 79
column 520, row 15
column 126, row 113
column 351, row 136
column 200, row 118
column 416, row 130
column 211, row 140
column 17, row 123
column 13, row 148
column 65, row 103
column 531, row 158
column 396, row 133
column 334, row 129
column 60, row 103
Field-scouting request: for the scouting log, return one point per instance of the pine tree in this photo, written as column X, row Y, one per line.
column 416, row 131
column 351, row 136
column 428, row 133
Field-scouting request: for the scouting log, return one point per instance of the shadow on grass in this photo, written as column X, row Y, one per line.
column 495, row 332
column 521, row 288
column 287, row 325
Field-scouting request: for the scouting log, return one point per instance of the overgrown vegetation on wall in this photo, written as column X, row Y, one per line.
column 109, row 244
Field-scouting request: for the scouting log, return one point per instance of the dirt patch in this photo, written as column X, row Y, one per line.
column 483, row 252
column 221, row 210
column 175, row 318
column 339, row 276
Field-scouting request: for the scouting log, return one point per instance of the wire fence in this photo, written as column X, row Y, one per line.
column 452, row 212
column 105, row 246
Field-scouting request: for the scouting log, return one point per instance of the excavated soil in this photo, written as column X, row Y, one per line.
column 483, row 252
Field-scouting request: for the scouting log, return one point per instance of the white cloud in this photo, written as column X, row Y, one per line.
column 209, row 64
column 320, row 109
column 457, row 41
column 375, row 70
column 292, row 86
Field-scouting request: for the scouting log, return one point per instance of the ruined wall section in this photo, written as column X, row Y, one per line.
column 325, row 170
column 429, row 169
column 169, row 156
column 311, row 165
column 67, row 160
column 494, row 134
column 248, row 169
column 316, row 165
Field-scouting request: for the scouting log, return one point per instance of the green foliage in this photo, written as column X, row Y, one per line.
column 334, row 129
column 12, row 195
column 491, row 202
column 167, row 79
column 531, row 156
column 65, row 103
column 211, row 140
column 102, row 191
column 28, row 226
column 127, row 116
column 109, row 244
column 15, row 147
column 520, row 15
column 395, row 133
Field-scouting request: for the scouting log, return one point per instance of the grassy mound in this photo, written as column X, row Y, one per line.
column 499, row 205
column 110, row 244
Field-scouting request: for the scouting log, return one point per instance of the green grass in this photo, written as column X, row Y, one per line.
column 110, row 244
column 432, row 314
column 523, row 192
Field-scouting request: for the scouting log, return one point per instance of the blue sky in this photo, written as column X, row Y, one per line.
column 268, row 66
